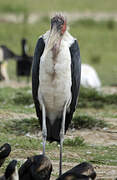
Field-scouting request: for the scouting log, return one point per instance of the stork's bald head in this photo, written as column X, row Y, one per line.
column 59, row 22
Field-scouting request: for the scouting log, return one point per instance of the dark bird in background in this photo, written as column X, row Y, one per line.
column 24, row 62
column 4, row 152
column 11, row 172
column 83, row 171
column 56, row 74
column 5, row 55
column 36, row 167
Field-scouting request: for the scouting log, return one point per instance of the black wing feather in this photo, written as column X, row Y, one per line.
column 35, row 75
column 76, row 74
column 7, row 53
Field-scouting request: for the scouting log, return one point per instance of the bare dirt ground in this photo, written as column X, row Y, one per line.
column 14, row 84
column 96, row 136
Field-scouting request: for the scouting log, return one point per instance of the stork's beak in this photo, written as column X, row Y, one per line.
column 53, row 31
column 53, row 37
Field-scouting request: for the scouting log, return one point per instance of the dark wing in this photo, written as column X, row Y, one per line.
column 75, row 73
column 4, row 152
column 35, row 75
column 7, row 52
column 10, row 170
column 24, row 170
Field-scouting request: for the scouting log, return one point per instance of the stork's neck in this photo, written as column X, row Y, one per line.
column 55, row 49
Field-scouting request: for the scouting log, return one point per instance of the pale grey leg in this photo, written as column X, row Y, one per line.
column 44, row 129
column 62, row 132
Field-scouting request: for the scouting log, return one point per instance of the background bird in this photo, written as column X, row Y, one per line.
column 5, row 55
column 83, row 171
column 36, row 167
column 23, row 61
column 55, row 81
column 5, row 150
column 89, row 77
column 11, row 172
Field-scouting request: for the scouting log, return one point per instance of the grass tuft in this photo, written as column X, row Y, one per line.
column 85, row 121
column 111, row 24
column 78, row 141
column 20, row 127
column 92, row 98
column 95, row 59
column 23, row 98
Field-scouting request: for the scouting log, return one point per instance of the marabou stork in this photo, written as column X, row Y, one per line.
column 55, row 81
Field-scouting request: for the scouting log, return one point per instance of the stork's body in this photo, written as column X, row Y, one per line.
column 56, row 81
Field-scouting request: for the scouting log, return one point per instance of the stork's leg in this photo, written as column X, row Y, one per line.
column 44, row 129
column 62, row 132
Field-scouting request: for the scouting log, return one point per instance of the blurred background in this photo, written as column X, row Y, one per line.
column 92, row 22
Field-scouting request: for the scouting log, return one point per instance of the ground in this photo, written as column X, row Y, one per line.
column 99, row 141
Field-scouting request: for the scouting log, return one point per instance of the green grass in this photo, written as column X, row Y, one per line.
column 21, row 100
column 86, row 121
column 16, row 100
column 98, row 41
column 21, row 127
column 78, row 141
column 14, row 130
column 92, row 98
column 18, row 6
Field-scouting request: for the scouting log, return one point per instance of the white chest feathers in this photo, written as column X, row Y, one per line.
column 55, row 81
